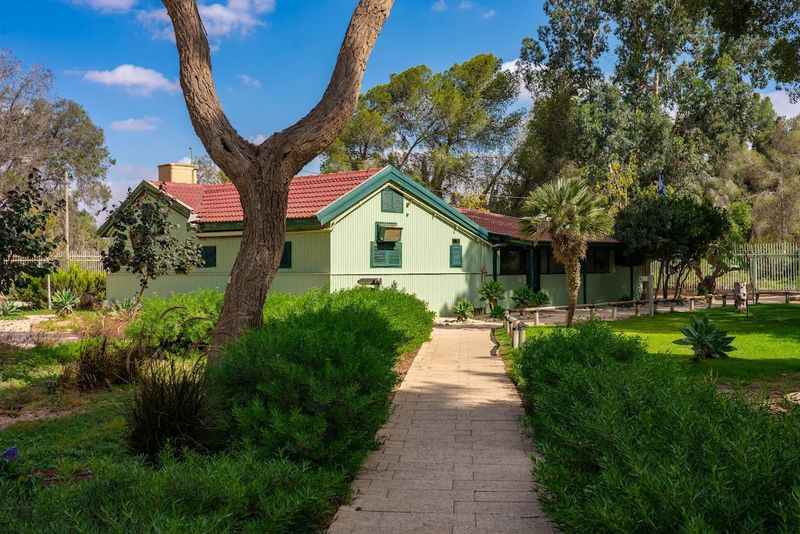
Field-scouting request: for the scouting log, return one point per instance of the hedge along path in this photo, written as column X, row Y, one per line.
column 454, row 458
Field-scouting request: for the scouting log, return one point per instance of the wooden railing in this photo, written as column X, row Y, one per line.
column 515, row 324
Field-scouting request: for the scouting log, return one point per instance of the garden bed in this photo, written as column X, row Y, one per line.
column 632, row 442
column 297, row 405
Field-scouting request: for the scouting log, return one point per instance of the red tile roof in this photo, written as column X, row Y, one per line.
column 308, row 195
column 509, row 226
column 496, row 223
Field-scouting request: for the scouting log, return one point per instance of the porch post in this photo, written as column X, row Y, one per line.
column 583, row 281
column 537, row 273
column 495, row 252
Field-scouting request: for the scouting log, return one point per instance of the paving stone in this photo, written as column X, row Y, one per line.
column 453, row 458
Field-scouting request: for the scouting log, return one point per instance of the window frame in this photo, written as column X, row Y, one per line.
column 523, row 255
column 455, row 245
column 286, row 256
column 204, row 252
column 392, row 201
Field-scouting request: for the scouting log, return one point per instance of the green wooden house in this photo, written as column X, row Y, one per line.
column 372, row 227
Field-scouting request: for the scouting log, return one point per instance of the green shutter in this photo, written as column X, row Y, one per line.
column 391, row 201
column 286, row 258
column 456, row 259
column 386, row 254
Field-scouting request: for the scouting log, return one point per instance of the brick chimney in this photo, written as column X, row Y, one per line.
column 178, row 173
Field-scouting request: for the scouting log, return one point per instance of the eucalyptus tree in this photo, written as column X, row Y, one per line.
column 49, row 137
column 262, row 172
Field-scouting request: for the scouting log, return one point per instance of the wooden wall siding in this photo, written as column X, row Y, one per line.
column 426, row 240
column 310, row 268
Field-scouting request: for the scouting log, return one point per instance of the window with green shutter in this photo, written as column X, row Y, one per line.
column 386, row 254
column 286, row 258
column 456, row 255
column 391, row 201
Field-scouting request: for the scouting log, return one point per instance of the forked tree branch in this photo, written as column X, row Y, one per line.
column 317, row 130
column 292, row 148
column 225, row 146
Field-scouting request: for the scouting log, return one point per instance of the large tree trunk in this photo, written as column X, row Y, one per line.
column 573, row 271
column 262, row 173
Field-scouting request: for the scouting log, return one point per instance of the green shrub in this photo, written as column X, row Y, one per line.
column 497, row 312
column 707, row 340
column 171, row 405
column 65, row 302
column 178, row 322
column 525, row 297
column 631, row 443
column 491, row 292
column 224, row 493
column 89, row 287
column 463, row 310
column 314, row 383
column 103, row 362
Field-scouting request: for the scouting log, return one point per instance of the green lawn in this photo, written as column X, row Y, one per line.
column 767, row 342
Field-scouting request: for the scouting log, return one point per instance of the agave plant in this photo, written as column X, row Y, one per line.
column 65, row 302
column 8, row 308
column 706, row 339
column 463, row 310
column 125, row 308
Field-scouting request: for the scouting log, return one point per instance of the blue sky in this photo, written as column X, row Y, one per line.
column 272, row 60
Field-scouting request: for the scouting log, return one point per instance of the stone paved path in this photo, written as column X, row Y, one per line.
column 454, row 459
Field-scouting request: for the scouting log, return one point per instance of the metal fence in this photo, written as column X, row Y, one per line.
column 761, row 266
column 89, row 260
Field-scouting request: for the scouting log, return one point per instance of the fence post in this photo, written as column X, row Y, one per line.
column 724, row 300
column 636, row 309
column 536, row 318
column 514, row 335
column 787, row 297
column 613, row 313
column 522, row 333
column 691, row 305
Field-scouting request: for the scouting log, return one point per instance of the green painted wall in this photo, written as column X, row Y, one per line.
column 425, row 270
column 310, row 268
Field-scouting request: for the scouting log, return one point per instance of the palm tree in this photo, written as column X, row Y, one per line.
column 570, row 214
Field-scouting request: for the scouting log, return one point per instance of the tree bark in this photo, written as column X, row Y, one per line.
column 573, row 270
column 261, row 174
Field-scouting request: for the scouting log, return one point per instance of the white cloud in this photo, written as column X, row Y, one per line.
column 466, row 5
column 525, row 96
column 249, row 81
column 439, row 5
column 489, row 14
column 220, row 20
column 107, row 5
column 137, row 80
column 258, row 138
column 145, row 124
column 783, row 106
